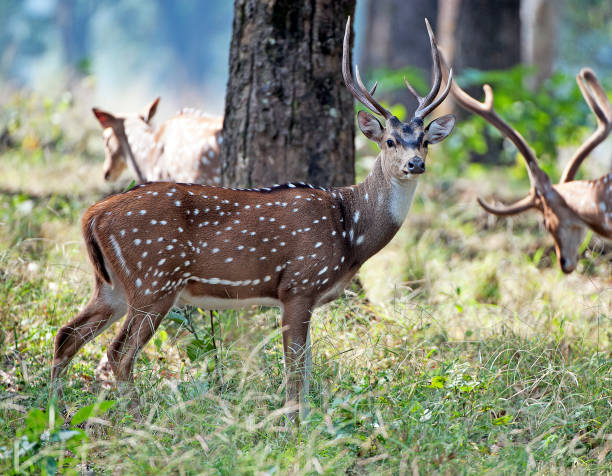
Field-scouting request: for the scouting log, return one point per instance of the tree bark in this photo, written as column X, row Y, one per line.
column 448, row 11
column 539, row 20
column 288, row 115
column 488, row 34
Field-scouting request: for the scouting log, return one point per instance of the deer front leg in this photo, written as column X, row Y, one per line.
column 296, row 347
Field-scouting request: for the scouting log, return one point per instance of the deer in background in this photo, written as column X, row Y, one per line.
column 185, row 148
column 571, row 206
column 295, row 246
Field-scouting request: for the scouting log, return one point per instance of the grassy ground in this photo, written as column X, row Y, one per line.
column 468, row 353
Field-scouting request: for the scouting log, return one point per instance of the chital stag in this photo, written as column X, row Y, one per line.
column 569, row 207
column 295, row 246
column 185, row 148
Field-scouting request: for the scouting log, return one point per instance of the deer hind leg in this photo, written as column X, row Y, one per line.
column 105, row 307
column 141, row 323
column 296, row 347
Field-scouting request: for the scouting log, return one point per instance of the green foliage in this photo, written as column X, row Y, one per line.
column 488, row 288
column 44, row 445
column 30, row 216
column 34, row 123
column 555, row 115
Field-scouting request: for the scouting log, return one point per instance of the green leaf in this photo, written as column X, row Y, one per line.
column 130, row 186
column 585, row 242
column 437, row 382
column 36, row 422
column 538, row 256
column 50, row 465
column 503, row 420
column 91, row 411
column 177, row 317
column 198, row 347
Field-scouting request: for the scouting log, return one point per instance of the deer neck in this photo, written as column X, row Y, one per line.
column 591, row 202
column 138, row 146
column 374, row 210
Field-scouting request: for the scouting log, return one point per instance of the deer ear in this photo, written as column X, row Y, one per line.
column 106, row 119
column 439, row 129
column 150, row 111
column 370, row 126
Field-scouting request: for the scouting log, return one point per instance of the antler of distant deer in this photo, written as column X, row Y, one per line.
column 597, row 99
column 570, row 205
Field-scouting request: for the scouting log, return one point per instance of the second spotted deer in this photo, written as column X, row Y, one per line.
column 185, row 148
column 294, row 246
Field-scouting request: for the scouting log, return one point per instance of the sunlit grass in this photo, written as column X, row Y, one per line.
column 468, row 352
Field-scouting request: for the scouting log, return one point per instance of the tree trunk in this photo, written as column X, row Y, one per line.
column 288, row 115
column 539, row 20
column 396, row 38
column 488, row 34
column 448, row 10
column 73, row 18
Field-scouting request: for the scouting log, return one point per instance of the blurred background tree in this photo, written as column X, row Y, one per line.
column 121, row 53
column 396, row 39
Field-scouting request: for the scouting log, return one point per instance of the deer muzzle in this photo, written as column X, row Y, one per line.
column 416, row 165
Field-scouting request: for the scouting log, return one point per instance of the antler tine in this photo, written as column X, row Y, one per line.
column 441, row 98
column 598, row 101
column 427, row 103
column 383, row 112
column 360, row 93
column 517, row 207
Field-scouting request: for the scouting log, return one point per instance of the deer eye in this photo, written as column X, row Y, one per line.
column 390, row 143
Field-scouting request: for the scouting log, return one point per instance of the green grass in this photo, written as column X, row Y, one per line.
column 467, row 353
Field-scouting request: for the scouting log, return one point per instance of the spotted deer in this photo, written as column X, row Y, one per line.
column 185, row 148
column 295, row 246
column 570, row 207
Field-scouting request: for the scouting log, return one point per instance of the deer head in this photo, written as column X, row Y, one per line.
column 403, row 145
column 568, row 208
column 116, row 147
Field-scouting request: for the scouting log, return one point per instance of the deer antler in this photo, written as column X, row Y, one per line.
column 427, row 103
column 598, row 101
column 359, row 91
column 538, row 178
column 517, row 207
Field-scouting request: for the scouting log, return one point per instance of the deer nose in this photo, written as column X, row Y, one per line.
column 566, row 266
column 107, row 175
column 416, row 165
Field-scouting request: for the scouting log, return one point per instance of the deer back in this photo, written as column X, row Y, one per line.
column 188, row 149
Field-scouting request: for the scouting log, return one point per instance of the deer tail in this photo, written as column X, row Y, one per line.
column 93, row 247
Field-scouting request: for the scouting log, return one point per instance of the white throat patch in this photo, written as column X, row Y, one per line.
column 400, row 199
